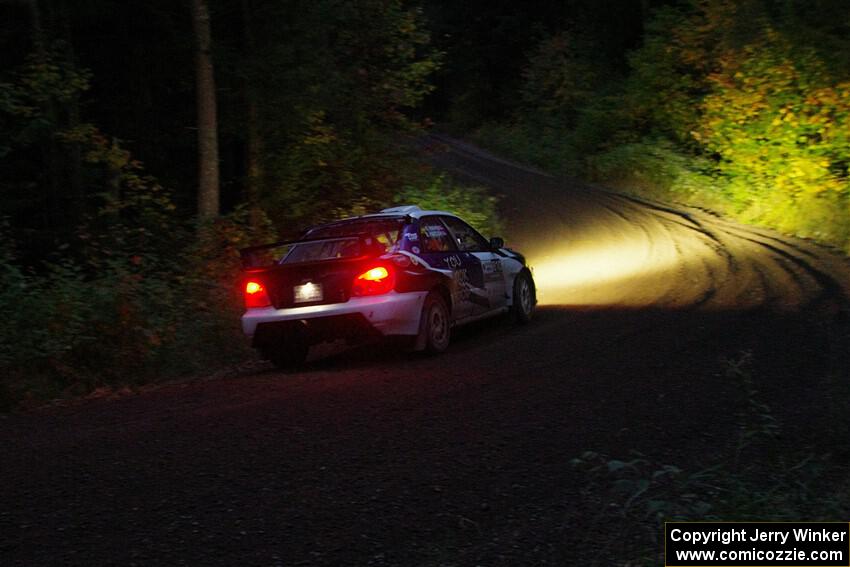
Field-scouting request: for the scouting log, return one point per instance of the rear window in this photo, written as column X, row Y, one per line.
column 385, row 230
column 346, row 240
column 324, row 250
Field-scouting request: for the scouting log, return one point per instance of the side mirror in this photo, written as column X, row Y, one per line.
column 496, row 243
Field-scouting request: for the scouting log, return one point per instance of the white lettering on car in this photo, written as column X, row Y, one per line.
column 453, row 262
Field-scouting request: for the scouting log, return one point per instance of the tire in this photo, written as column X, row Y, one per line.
column 435, row 324
column 525, row 298
column 287, row 355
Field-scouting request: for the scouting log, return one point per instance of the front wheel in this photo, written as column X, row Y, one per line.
column 435, row 325
column 525, row 297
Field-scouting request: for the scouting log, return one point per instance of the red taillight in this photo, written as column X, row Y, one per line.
column 255, row 295
column 374, row 281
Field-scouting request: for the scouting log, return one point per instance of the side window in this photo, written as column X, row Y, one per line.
column 434, row 237
column 467, row 238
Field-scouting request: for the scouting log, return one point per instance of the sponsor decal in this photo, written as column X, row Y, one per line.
column 492, row 267
column 463, row 285
column 434, row 231
column 453, row 262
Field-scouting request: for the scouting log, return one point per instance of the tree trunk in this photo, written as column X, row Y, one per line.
column 74, row 198
column 37, row 31
column 208, row 177
column 254, row 145
column 48, row 151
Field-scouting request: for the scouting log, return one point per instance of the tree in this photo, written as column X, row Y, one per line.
column 780, row 125
column 254, row 146
column 332, row 83
column 208, row 173
column 561, row 78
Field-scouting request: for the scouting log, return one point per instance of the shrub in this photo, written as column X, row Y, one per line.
column 142, row 297
column 546, row 147
column 45, row 318
column 759, row 479
column 657, row 169
column 473, row 204
column 780, row 124
column 560, row 78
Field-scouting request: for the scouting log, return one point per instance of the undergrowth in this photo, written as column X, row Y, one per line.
column 122, row 311
column 140, row 296
column 759, row 479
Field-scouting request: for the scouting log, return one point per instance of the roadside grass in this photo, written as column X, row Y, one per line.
column 550, row 149
column 655, row 168
column 634, row 497
column 763, row 476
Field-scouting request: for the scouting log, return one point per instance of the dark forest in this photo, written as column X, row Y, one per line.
column 665, row 184
column 142, row 144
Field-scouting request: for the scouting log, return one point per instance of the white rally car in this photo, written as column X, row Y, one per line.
column 400, row 272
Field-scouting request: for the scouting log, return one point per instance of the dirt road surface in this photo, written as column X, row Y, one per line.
column 371, row 457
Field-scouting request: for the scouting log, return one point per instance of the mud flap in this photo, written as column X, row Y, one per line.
column 422, row 337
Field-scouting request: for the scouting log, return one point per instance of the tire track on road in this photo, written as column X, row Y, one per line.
column 690, row 258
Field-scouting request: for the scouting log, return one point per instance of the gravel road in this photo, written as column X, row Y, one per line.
column 369, row 457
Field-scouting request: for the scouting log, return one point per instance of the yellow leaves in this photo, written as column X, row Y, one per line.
column 319, row 132
column 807, row 175
column 777, row 122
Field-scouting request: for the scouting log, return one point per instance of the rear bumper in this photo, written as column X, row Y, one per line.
column 389, row 314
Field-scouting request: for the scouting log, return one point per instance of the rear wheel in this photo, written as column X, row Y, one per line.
column 525, row 298
column 435, row 325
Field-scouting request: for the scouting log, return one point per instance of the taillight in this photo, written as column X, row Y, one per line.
column 255, row 295
column 374, row 281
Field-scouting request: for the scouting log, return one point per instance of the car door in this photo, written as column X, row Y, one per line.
column 437, row 247
column 485, row 271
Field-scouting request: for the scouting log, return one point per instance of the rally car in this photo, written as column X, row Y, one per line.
column 401, row 272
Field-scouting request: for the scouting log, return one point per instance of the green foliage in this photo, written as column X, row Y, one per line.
column 781, row 127
column 32, row 101
column 141, row 300
column 759, row 480
column 669, row 73
column 42, row 192
column 723, row 80
column 732, row 105
column 26, row 298
column 333, row 93
column 110, row 283
column 755, row 418
column 629, row 498
column 473, row 204
column 134, row 214
column 560, row 79
column 566, row 113
column 324, row 172
column 550, row 148
column 640, row 488
column 658, row 169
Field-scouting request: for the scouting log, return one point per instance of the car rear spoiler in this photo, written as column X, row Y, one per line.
column 250, row 255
